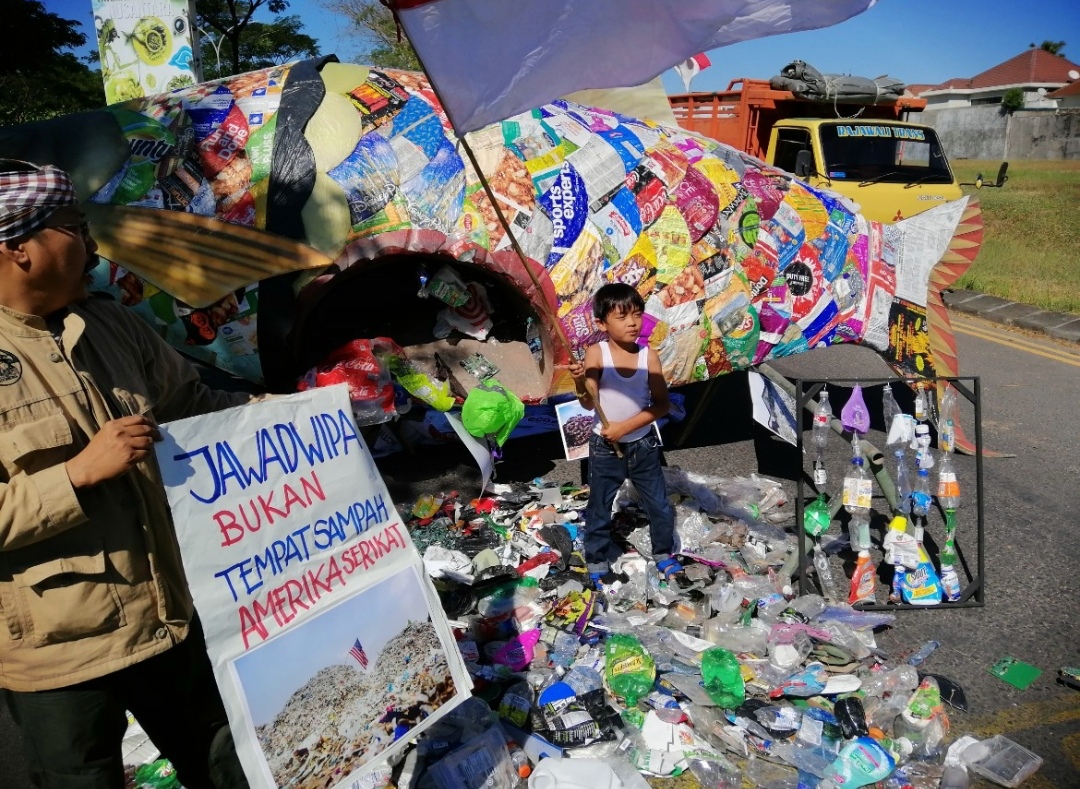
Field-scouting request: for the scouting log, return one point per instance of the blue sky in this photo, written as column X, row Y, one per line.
column 915, row 41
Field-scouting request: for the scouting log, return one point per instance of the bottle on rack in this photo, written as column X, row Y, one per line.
column 923, row 457
column 948, row 494
column 889, row 407
column 863, row 580
column 858, row 490
column 903, row 483
column 947, row 420
column 819, row 437
column 920, row 494
column 921, row 410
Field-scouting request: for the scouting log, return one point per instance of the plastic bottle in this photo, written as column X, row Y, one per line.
column 948, row 494
column 920, row 495
column 903, row 483
column 629, row 669
column 861, row 762
column 583, row 679
column 947, row 421
column 920, row 404
column 520, row 761
column 948, row 487
column 824, row 574
column 922, row 653
column 820, row 437
column 889, row 407
column 723, row 677
column 902, row 679
column 858, row 490
column 954, row 777
column 923, row 457
column 863, row 580
column 565, row 649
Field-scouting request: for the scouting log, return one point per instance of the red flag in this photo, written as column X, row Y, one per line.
column 691, row 67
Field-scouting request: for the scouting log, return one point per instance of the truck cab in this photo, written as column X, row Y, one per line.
column 873, row 154
column 892, row 169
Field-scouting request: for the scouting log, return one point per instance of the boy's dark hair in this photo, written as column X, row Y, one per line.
column 618, row 296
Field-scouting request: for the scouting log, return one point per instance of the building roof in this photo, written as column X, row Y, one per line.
column 1072, row 89
column 1033, row 66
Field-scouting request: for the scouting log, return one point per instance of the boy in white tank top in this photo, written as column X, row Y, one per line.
column 633, row 395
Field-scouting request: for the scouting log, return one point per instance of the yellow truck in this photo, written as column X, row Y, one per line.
column 891, row 167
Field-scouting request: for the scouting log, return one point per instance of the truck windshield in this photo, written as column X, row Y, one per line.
column 883, row 153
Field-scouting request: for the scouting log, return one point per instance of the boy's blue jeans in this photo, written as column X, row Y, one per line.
column 640, row 464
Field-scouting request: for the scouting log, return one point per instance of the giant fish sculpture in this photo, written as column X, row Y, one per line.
column 229, row 209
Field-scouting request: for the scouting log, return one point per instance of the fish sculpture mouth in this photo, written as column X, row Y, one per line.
column 229, row 211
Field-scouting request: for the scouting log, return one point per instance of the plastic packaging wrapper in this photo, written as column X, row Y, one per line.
column 356, row 363
column 446, row 286
column 428, row 390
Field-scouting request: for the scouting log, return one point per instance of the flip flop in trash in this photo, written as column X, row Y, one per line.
column 669, row 568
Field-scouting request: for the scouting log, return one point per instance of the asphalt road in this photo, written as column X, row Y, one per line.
column 1031, row 499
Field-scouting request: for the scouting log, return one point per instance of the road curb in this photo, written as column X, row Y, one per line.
column 1059, row 325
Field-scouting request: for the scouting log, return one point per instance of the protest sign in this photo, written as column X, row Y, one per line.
column 328, row 641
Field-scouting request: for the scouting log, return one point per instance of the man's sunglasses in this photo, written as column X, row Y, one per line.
column 69, row 219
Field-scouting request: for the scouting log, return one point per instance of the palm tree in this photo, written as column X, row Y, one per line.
column 1053, row 47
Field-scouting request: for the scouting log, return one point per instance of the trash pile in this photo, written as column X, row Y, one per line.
column 722, row 671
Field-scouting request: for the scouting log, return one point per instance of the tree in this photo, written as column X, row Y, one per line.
column 1053, row 47
column 37, row 79
column 1012, row 100
column 385, row 44
column 224, row 24
column 261, row 45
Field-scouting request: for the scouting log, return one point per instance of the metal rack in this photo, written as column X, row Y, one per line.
column 973, row 593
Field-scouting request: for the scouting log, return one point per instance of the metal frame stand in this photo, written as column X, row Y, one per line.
column 804, row 391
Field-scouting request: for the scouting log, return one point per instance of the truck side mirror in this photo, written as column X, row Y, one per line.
column 1001, row 176
column 804, row 163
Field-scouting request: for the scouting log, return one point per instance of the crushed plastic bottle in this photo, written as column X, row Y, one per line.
column 723, row 677
column 629, row 669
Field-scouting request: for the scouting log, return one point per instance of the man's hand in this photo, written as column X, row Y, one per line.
column 117, row 448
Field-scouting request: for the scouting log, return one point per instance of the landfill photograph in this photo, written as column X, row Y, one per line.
column 331, row 695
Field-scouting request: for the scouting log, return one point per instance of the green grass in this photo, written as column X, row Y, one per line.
column 1031, row 246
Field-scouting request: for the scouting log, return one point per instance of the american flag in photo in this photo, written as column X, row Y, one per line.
column 358, row 652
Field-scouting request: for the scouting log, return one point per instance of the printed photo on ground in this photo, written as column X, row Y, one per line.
column 575, row 425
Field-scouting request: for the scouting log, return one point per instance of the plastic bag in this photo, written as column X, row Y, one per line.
column 356, row 364
column 481, row 763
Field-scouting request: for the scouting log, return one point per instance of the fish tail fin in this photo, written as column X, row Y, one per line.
column 959, row 253
column 951, row 236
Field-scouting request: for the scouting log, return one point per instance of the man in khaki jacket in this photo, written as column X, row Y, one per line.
column 95, row 614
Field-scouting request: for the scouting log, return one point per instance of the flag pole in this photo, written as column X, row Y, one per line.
column 463, row 141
